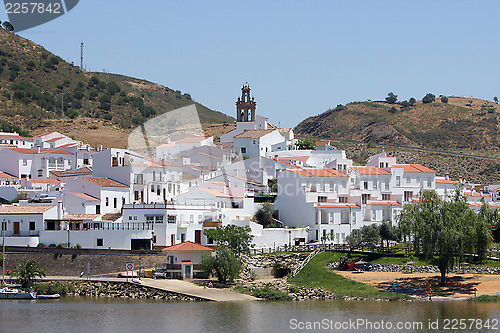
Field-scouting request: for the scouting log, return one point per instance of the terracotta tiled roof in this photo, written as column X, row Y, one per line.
column 476, row 194
column 369, row 170
column 337, row 206
column 80, row 217
column 56, row 173
column 211, row 224
column 313, row 172
column 187, row 176
column 25, row 210
column 84, row 170
column 294, row 158
column 104, row 181
column 414, row 168
column 5, row 175
column 253, row 134
column 188, row 247
column 43, row 134
column 385, row 203
column 445, row 181
column 44, row 181
column 14, row 137
column 84, row 196
column 216, row 193
column 42, row 151
column 322, row 143
column 54, row 139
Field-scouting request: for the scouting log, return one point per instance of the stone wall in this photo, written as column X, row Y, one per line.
column 67, row 264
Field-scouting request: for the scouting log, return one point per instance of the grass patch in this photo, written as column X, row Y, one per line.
column 315, row 274
column 51, row 289
column 266, row 292
column 485, row 298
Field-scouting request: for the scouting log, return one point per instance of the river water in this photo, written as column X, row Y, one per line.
column 80, row 314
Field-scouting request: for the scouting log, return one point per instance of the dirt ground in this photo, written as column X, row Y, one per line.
column 457, row 286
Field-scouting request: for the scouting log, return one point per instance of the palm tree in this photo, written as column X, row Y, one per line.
column 27, row 272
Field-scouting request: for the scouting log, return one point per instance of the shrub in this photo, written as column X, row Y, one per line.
column 429, row 98
column 391, row 98
column 393, row 110
column 271, row 294
column 444, row 99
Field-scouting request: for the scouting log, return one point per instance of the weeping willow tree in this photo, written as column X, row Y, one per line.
column 445, row 231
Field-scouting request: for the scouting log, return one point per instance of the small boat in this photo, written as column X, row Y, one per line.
column 55, row 296
column 7, row 293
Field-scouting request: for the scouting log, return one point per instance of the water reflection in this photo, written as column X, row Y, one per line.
column 78, row 314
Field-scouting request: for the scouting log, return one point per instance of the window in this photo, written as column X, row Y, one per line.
column 408, row 195
column 429, row 182
column 130, row 218
column 135, row 218
column 158, row 190
column 398, row 180
column 374, row 215
column 386, row 196
column 152, row 188
column 159, row 219
column 343, row 199
column 150, row 219
column 138, row 178
column 387, row 185
column 40, row 173
column 171, row 218
column 365, row 198
column 25, row 162
column 114, row 161
column 107, row 201
column 115, row 202
column 365, row 185
column 322, row 199
column 408, row 180
column 32, row 226
column 99, row 242
column 243, row 150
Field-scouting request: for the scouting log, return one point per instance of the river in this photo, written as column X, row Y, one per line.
column 80, row 314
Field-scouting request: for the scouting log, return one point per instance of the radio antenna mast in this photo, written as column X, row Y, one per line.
column 81, row 56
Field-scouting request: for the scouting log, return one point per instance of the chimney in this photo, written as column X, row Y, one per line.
column 59, row 210
column 460, row 179
column 38, row 149
column 447, row 177
column 100, row 147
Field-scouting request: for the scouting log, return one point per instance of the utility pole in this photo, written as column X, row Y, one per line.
column 62, row 104
column 81, row 56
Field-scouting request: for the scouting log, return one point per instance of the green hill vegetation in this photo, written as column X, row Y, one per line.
column 460, row 125
column 457, row 124
column 38, row 89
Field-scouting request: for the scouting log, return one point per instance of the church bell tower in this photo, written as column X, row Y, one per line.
column 245, row 106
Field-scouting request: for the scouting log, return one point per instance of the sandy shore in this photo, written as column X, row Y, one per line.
column 458, row 286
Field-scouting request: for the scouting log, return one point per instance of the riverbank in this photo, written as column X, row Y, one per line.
column 118, row 289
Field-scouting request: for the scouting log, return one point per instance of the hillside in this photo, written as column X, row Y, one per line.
column 41, row 92
column 464, row 125
column 469, row 124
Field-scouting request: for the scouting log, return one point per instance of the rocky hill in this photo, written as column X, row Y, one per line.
column 461, row 123
column 40, row 92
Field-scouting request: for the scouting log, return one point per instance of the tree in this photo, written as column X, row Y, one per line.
column 367, row 236
column 393, row 110
column 444, row 231
column 444, row 99
column 306, row 143
column 387, row 232
column 224, row 264
column 495, row 99
column 391, row 98
column 412, row 101
column 266, row 215
column 27, row 272
column 235, row 238
column 429, row 98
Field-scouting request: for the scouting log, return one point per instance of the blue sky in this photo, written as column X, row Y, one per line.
column 299, row 57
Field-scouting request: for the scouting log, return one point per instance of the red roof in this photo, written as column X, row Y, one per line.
column 4, row 175
column 104, row 181
column 313, row 172
column 188, row 247
column 85, row 196
column 294, row 158
column 44, row 181
column 445, row 181
column 42, row 151
column 385, row 203
column 369, row 170
column 414, row 168
column 337, row 206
